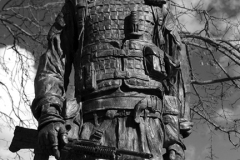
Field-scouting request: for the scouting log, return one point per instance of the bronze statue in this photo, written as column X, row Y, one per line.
column 130, row 92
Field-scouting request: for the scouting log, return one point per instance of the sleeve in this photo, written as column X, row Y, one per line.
column 54, row 68
column 178, row 71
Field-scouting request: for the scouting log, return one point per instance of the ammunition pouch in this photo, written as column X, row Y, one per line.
column 154, row 62
column 171, row 122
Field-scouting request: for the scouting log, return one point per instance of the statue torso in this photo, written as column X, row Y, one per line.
column 114, row 54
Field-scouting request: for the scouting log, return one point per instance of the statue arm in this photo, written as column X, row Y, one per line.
column 178, row 85
column 54, row 67
column 178, row 68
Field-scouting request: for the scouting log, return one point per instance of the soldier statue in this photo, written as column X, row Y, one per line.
column 130, row 82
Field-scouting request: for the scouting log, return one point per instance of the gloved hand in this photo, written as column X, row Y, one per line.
column 185, row 128
column 174, row 155
column 52, row 137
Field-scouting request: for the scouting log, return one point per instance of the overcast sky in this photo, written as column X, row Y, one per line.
column 199, row 141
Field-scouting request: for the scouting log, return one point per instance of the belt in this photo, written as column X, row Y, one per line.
column 117, row 103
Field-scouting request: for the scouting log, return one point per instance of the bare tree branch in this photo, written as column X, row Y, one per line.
column 214, row 81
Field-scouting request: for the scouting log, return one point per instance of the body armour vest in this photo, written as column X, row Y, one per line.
column 118, row 48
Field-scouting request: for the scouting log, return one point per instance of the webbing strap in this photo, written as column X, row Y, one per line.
column 99, row 130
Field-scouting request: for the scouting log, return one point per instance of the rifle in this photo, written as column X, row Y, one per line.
column 25, row 138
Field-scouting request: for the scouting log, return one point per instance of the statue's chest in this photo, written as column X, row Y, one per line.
column 111, row 19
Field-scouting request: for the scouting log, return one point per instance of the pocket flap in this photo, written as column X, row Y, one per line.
column 170, row 105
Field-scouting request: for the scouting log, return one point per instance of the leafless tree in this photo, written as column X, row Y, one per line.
column 24, row 25
column 213, row 54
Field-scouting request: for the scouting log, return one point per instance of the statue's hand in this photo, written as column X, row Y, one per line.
column 51, row 136
column 185, row 128
column 172, row 155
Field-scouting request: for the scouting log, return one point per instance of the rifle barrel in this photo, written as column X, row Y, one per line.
column 133, row 153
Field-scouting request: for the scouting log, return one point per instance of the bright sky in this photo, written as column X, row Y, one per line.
column 10, row 75
column 197, row 144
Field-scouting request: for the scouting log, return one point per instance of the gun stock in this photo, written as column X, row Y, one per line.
column 25, row 138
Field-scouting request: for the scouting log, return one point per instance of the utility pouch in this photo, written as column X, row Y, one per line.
column 154, row 62
column 170, row 121
column 170, row 105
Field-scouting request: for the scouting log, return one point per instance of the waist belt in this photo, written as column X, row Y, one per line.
column 110, row 103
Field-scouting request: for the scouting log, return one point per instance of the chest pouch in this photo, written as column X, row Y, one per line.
column 154, row 62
